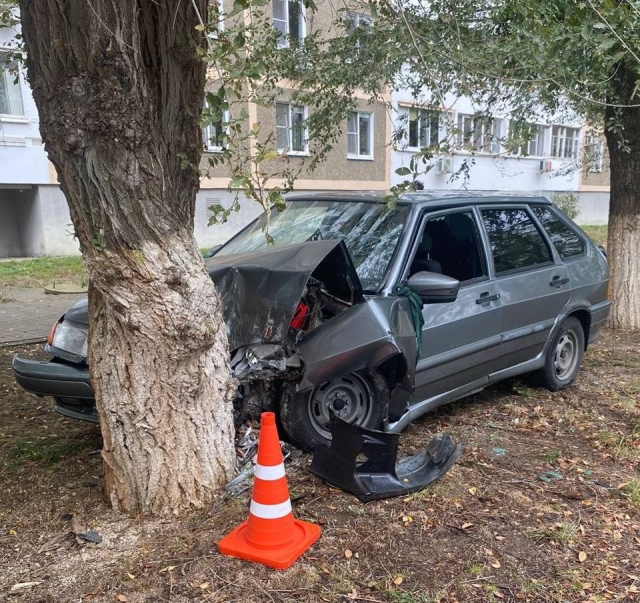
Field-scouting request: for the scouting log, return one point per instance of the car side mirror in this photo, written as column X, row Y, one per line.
column 434, row 288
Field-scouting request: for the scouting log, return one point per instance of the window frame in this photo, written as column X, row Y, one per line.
column 10, row 81
column 514, row 271
column 358, row 156
column 289, row 127
column 540, row 139
column 472, row 141
column 423, row 115
column 594, row 153
column 284, row 40
column 560, row 137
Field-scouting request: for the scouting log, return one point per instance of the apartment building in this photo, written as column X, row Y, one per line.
column 360, row 159
column 34, row 219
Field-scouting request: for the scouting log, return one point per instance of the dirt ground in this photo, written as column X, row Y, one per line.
column 543, row 505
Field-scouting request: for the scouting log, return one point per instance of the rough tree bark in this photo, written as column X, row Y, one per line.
column 119, row 90
column 623, row 247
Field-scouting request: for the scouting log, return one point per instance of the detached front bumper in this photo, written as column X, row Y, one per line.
column 69, row 385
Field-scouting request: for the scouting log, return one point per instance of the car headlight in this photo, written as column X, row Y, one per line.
column 65, row 336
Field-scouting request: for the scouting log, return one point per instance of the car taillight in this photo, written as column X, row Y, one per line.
column 299, row 316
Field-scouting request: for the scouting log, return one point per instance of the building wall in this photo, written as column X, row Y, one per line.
column 486, row 171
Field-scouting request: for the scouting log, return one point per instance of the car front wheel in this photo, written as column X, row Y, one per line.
column 360, row 398
column 564, row 356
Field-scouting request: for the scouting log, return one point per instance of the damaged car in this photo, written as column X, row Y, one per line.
column 376, row 313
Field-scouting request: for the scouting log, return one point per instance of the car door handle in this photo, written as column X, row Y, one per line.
column 556, row 281
column 486, row 297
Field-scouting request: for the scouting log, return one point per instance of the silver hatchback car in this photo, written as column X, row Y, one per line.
column 379, row 314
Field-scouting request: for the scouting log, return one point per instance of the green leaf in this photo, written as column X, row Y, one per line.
column 403, row 171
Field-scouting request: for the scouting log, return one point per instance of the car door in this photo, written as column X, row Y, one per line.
column 459, row 339
column 533, row 282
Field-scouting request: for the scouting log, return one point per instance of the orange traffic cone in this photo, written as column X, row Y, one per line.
column 271, row 535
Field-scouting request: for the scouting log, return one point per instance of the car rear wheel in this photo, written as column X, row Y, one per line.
column 360, row 398
column 564, row 356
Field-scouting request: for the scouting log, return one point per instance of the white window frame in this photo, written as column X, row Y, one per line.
column 357, row 134
column 8, row 82
column 482, row 136
column 594, row 152
column 284, row 27
column 425, row 133
column 538, row 137
column 355, row 20
column 565, row 142
column 220, row 25
column 288, row 126
column 208, row 134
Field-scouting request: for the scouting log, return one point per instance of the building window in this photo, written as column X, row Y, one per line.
column 358, row 25
column 527, row 139
column 424, row 128
column 214, row 131
column 359, row 135
column 216, row 18
column 291, row 130
column 565, row 142
column 594, row 153
column 10, row 93
column 481, row 134
column 288, row 20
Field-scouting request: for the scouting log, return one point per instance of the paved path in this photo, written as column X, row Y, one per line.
column 30, row 314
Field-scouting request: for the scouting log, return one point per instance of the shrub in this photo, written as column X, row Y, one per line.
column 569, row 203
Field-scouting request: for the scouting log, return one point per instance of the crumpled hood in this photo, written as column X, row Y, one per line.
column 260, row 290
column 78, row 312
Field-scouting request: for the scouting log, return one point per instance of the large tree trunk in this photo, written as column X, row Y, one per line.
column 623, row 248
column 119, row 90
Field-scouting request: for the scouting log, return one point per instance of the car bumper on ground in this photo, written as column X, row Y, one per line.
column 599, row 313
column 69, row 385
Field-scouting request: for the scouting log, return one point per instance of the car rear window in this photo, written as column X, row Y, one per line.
column 565, row 240
column 516, row 243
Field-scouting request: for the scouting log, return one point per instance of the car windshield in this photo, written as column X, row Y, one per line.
column 369, row 230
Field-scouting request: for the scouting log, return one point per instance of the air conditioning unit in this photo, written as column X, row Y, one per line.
column 443, row 166
column 546, row 165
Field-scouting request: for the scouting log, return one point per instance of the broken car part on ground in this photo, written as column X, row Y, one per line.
column 343, row 305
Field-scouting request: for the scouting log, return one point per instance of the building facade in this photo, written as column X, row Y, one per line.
column 374, row 143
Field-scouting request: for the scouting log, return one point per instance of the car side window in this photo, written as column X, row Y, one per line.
column 516, row 243
column 565, row 240
column 450, row 244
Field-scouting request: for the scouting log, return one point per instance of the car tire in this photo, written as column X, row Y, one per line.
column 361, row 398
column 564, row 356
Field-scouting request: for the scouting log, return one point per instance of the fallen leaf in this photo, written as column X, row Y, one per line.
column 466, row 525
column 204, row 585
column 473, row 490
column 495, row 563
column 397, row 580
column 131, row 577
column 582, row 556
column 348, row 554
column 407, row 519
column 169, row 568
column 498, row 594
column 122, row 599
column 14, row 533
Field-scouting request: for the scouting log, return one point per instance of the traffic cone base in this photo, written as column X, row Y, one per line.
column 235, row 544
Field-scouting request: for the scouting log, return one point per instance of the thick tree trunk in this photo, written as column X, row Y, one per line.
column 623, row 247
column 119, row 90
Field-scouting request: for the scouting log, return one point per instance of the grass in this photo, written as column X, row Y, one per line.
column 38, row 272
column 632, row 492
column 562, row 533
column 46, row 452
column 598, row 234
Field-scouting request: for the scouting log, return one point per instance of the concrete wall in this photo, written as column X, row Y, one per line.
column 57, row 228
column 594, row 208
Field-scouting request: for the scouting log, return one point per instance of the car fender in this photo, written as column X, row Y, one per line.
column 363, row 337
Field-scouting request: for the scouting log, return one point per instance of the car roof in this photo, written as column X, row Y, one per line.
column 426, row 198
